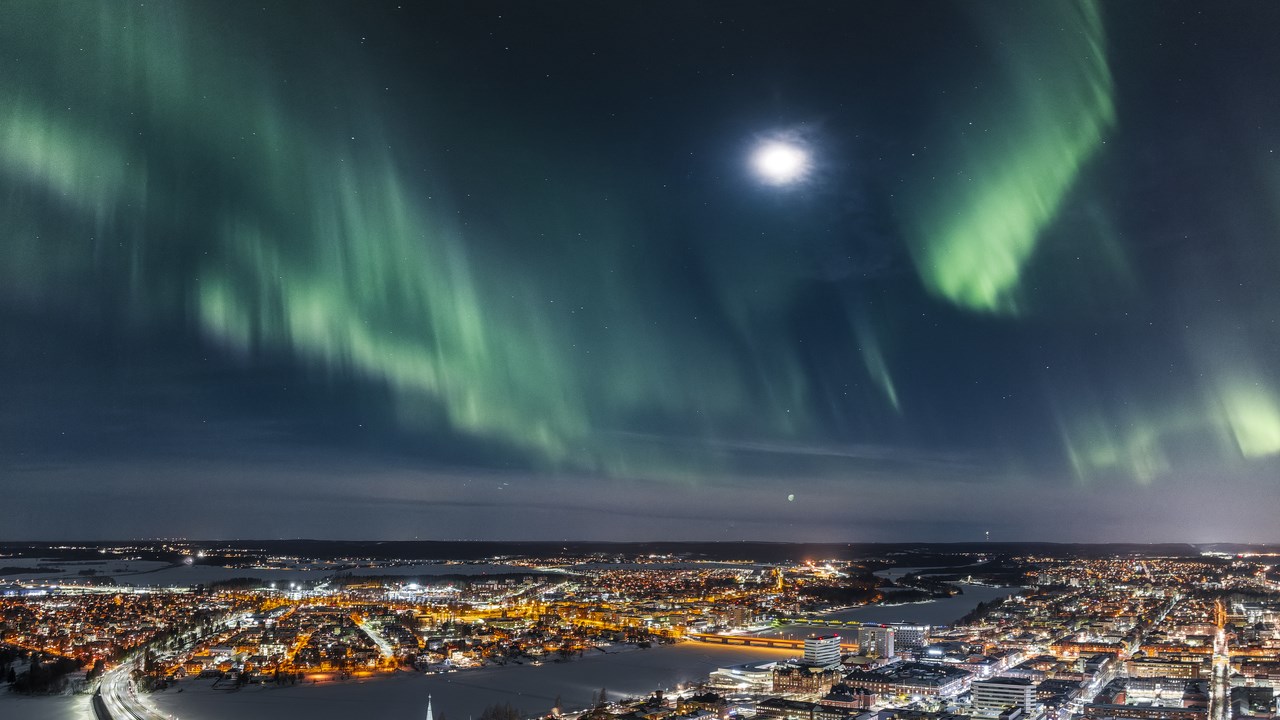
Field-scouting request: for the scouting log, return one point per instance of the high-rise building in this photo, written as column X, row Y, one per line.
column 876, row 641
column 991, row 697
column 910, row 637
column 822, row 650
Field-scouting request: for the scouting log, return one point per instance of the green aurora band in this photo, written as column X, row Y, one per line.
column 298, row 242
column 204, row 194
column 976, row 222
column 1234, row 418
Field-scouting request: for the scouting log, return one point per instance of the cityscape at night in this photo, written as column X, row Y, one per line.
column 639, row 359
column 986, row 631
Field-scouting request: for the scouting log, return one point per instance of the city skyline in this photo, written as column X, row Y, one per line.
column 836, row 632
column 846, row 272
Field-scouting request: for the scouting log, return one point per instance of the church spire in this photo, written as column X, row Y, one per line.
column 429, row 708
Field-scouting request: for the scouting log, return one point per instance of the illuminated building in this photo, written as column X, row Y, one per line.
column 876, row 641
column 783, row 709
column 843, row 696
column 1144, row 712
column 909, row 637
column 1160, row 667
column 911, row 679
column 804, row 679
column 822, row 650
column 994, row 696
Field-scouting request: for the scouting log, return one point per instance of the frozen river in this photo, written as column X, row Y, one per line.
column 531, row 689
column 463, row 694
column 944, row 611
column 930, row 612
column 456, row 695
column 467, row 693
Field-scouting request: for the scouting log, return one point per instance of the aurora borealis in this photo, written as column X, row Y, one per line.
column 511, row 270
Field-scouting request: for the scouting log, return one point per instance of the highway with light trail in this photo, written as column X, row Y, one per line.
column 117, row 699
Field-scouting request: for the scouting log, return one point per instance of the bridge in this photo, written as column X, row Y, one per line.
column 756, row 641
column 823, row 622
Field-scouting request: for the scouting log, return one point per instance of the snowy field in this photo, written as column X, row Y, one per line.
column 151, row 573
column 148, row 573
column 464, row 694
column 18, row 707
column 689, row 565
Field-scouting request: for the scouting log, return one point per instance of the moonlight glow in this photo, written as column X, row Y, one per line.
column 780, row 163
column 972, row 267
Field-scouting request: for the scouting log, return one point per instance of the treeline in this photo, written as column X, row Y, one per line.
column 980, row 612
column 844, row 595
column 499, row 711
column 935, row 587
column 235, row 583
column 41, row 570
column 43, row 675
column 855, row 590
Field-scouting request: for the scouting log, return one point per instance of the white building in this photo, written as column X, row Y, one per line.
column 754, row 677
column 822, row 650
column 994, row 696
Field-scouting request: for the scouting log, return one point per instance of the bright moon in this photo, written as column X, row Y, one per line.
column 779, row 163
column 791, row 498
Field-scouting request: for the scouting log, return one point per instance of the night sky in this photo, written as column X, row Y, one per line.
column 848, row 271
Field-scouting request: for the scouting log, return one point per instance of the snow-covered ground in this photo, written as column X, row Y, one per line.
column 150, row 573
column 685, row 565
column 20, row 707
column 466, row 693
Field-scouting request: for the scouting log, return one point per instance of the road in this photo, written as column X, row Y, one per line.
column 1221, row 692
column 117, row 700
column 384, row 647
